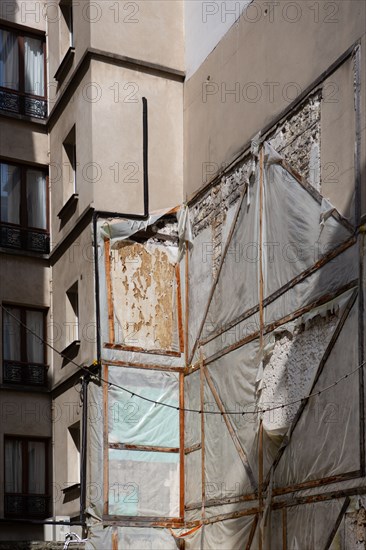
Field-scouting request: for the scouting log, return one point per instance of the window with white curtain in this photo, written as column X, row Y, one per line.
column 23, row 88
column 19, row 344
column 25, row 466
column 22, row 62
column 23, row 196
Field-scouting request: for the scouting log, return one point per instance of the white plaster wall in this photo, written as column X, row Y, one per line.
column 206, row 22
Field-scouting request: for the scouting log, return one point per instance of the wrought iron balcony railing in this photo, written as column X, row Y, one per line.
column 25, row 506
column 28, row 374
column 24, row 239
column 22, row 104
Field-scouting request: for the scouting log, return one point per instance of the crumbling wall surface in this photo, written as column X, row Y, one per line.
column 354, row 533
column 290, row 368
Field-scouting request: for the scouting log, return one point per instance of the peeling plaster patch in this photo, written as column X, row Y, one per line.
column 144, row 289
column 290, row 370
column 298, row 141
column 355, row 530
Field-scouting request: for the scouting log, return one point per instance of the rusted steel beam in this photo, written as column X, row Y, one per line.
column 105, row 442
column 290, row 284
column 232, row 432
column 337, row 523
column 179, row 309
column 145, row 366
column 186, row 316
column 316, row 483
column 136, row 349
column 107, row 262
column 252, row 533
column 284, row 529
column 195, row 447
column 260, row 481
column 261, row 282
column 115, row 539
column 181, row 447
column 222, row 501
column 320, row 497
column 147, row 448
column 202, row 404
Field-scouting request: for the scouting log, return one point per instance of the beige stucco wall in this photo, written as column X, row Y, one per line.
column 67, row 411
column 30, row 13
column 149, row 31
column 118, row 139
column 77, row 112
column 22, row 141
column 76, row 264
column 260, row 49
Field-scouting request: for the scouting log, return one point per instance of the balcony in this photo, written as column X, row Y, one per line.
column 27, row 374
column 24, row 239
column 22, row 104
column 26, row 506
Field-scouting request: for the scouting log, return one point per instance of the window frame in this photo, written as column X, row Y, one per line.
column 23, row 215
column 21, row 33
column 25, row 440
column 23, row 337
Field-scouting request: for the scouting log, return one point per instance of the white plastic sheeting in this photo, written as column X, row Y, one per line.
column 143, row 483
column 133, row 420
column 298, row 231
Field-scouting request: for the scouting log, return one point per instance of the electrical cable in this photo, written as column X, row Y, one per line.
column 258, row 410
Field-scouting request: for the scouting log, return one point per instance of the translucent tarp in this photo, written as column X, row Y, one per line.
column 143, row 483
column 133, row 420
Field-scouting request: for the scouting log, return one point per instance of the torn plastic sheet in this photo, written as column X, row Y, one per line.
column 130, row 538
column 229, row 535
column 184, row 231
column 116, row 230
column 293, row 241
column 143, row 483
column 240, row 267
column 135, row 421
column 328, row 428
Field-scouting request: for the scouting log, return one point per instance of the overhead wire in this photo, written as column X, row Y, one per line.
column 256, row 411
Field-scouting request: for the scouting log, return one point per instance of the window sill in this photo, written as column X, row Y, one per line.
column 70, row 349
column 65, row 64
column 71, row 488
column 72, row 201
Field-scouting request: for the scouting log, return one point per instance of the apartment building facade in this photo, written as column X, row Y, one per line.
column 107, row 129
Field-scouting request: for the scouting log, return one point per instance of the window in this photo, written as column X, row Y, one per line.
column 72, row 314
column 69, row 164
column 67, row 24
column 22, row 73
column 25, row 477
column 24, row 355
column 73, row 454
column 23, row 208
